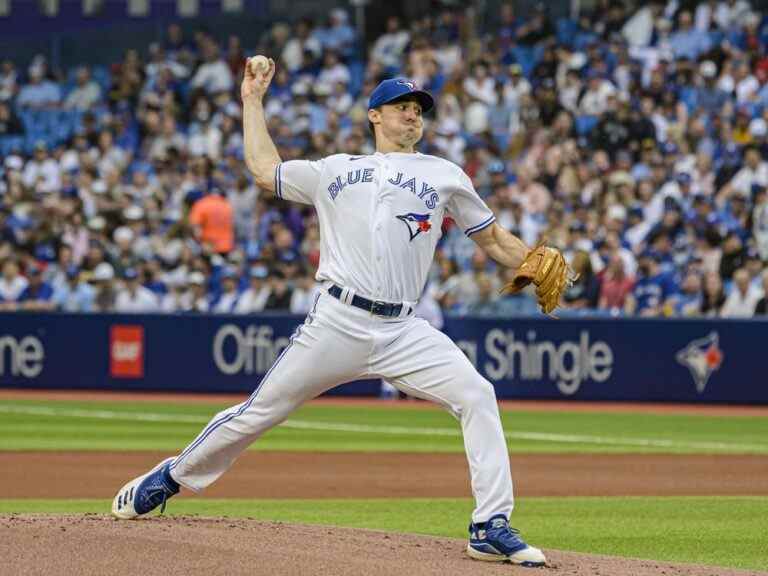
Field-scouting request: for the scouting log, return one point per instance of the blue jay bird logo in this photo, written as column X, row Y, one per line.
column 417, row 223
column 411, row 85
column 702, row 357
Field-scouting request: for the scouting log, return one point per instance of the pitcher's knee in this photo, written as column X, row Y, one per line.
column 478, row 393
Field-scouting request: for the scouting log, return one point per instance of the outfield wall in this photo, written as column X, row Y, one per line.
column 587, row 359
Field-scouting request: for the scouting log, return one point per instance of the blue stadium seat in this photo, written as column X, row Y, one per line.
column 566, row 31
column 9, row 144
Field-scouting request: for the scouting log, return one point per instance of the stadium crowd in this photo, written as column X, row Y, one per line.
column 633, row 139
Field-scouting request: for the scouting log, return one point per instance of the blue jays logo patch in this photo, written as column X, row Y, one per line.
column 411, row 85
column 417, row 223
column 702, row 357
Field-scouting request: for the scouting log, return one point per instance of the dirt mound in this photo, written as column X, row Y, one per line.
column 183, row 545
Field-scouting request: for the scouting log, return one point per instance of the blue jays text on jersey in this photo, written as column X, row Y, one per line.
column 423, row 190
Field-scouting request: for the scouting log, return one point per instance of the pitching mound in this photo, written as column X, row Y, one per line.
column 184, row 545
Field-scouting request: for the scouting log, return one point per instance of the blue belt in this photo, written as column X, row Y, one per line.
column 373, row 306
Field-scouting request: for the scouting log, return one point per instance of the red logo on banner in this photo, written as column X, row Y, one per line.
column 126, row 351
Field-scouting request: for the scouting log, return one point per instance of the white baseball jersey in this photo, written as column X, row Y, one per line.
column 381, row 216
column 380, row 219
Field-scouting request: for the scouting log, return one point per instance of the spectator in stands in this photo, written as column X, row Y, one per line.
column 10, row 124
column 38, row 295
column 467, row 288
column 689, row 300
column 594, row 100
column 537, row 29
column 585, row 291
column 280, row 292
column 333, row 70
column 305, row 293
column 302, row 42
column 74, row 295
column 176, row 47
column 733, row 255
column 713, row 296
column 743, row 299
column 226, row 303
column 615, row 286
column 687, row 41
column 103, row 281
column 213, row 221
column 485, row 303
column 127, row 79
column 40, row 92
column 654, row 291
column 213, row 75
column 197, row 296
column 761, row 308
column 87, row 93
column 12, row 283
column 8, row 81
column 754, row 172
column 389, row 47
column 41, row 172
column 338, row 36
column 254, row 299
column 639, row 28
column 135, row 298
column 174, row 300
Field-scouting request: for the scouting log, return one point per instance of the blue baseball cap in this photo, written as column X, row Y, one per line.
column 389, row 90
column 130, row 274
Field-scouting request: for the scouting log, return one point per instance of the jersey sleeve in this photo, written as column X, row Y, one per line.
column 298, row 180
column 466, row 207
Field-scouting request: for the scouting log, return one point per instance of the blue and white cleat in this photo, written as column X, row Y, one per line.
column 495, row 541
column 145, row 493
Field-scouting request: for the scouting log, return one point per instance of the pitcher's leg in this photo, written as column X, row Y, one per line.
column 425, row 363
column 309, row 366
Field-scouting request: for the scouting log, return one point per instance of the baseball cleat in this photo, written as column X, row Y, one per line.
column 495, row 541
column 145, row 493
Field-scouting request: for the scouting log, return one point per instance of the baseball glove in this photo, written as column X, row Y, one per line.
column 546, row 268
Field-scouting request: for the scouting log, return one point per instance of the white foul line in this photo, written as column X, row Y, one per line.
column 388, row 430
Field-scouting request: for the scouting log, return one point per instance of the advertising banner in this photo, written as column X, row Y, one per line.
column 585, row 359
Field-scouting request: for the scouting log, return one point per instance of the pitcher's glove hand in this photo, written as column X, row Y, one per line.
column 546, row 268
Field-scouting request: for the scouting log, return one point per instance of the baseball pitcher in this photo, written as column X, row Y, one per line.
column 380, row 219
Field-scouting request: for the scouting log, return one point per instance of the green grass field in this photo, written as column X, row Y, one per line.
column 720, row 531
column 33, row 425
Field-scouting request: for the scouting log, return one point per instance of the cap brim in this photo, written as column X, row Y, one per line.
column 424, row 99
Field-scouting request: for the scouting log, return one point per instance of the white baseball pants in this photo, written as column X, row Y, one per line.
column 338, row 343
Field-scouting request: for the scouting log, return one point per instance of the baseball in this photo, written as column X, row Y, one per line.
column 258, row 64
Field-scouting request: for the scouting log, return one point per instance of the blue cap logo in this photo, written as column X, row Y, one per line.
column 390, row 90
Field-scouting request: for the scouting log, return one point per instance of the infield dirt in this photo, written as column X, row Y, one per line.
column 391, row 475
column 180, row 546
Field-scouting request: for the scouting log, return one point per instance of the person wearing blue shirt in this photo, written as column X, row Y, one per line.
column 39, row 92
column 74, row 295
column 688, row 42
column 38, row 294
column 688, row 302
column 339, row 35
column 655, row 291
